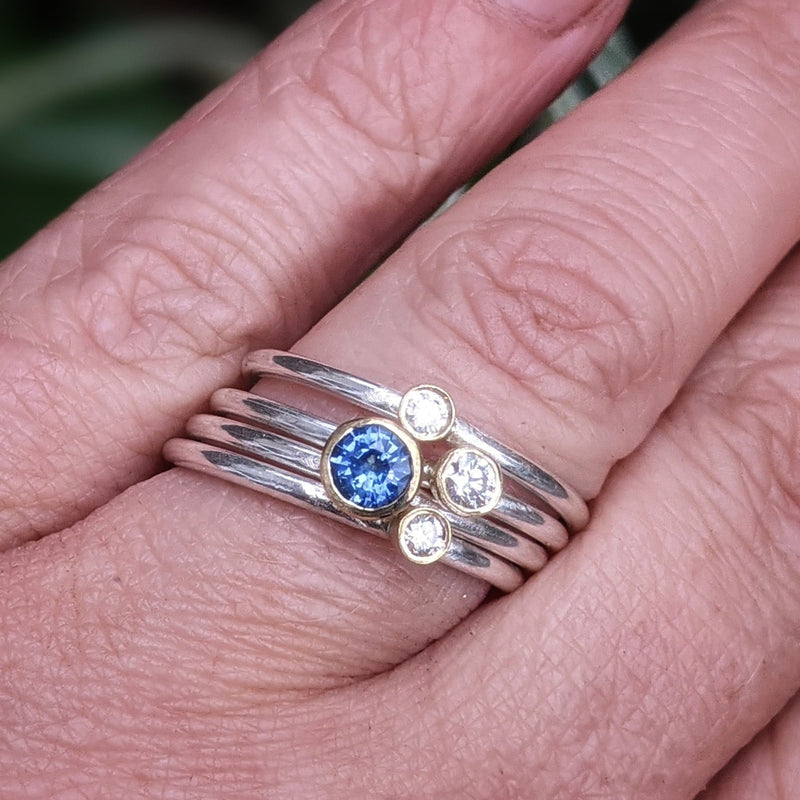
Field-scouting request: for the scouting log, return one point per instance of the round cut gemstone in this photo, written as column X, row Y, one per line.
column 427, row 412
column 423, row 535
column 371, row 466
column 469, row 482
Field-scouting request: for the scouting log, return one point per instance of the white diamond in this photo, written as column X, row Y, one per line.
column 427, row 412
column 468, row 481
column 424, row 535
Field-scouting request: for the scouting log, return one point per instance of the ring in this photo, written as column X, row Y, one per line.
column 564, row 500
column 412, row 471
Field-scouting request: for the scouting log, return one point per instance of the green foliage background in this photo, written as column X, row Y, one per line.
column 85, row 84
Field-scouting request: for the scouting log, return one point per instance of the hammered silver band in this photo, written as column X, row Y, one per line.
column 288, row 453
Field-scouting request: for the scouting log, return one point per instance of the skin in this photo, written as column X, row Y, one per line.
column 621, row 293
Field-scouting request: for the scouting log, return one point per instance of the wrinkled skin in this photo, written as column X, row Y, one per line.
column 167, row 635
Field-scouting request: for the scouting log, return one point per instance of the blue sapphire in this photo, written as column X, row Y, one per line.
column 371, row 466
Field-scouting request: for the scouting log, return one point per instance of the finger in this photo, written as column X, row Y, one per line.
column 597, row 276
column 768, row 768
column 245, row 222
column 631, row 668
column 615, row 374
column 479, row 307
column 665, row 638
column 225, row 599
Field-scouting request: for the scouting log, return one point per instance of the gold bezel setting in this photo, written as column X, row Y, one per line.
column 333, row 491
column 437, row 401
column 405, row 534
column 457, row 479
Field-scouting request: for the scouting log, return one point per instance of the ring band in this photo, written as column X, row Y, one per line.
column 306, row 461
column 414, row 472
column 306, row 493
column 564, row 500
column 309, row 429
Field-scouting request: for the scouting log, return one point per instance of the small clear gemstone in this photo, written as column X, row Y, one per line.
column 469, row 481
column 427, row 412
column 424, row 535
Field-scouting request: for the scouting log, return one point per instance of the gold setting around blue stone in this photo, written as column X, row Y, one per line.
column 371, row 467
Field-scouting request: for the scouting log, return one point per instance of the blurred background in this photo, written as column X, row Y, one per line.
column 85, row 84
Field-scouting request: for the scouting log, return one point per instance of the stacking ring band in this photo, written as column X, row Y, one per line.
column 247, row 407
column 414, row 472
column 306, row 460
column 308, row 493
column 564, row 500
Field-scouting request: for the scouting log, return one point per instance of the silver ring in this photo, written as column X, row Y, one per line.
column 557, row 494
column 308, row 493
column 248, row 407
column 413, row 472
column 306, row 461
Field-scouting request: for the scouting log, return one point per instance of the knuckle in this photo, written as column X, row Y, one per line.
column 393, row 94
column 174, row 275
column 547, row 305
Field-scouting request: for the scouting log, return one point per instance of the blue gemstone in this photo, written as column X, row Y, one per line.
column 371, row 466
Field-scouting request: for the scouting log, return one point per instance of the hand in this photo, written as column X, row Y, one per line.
column 184, row 638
